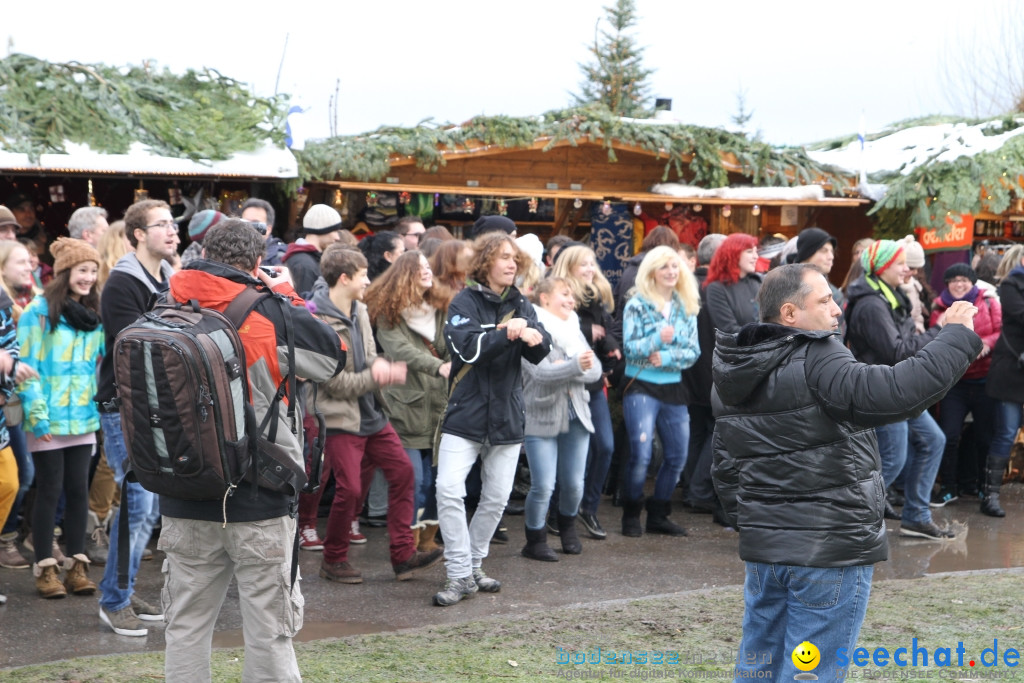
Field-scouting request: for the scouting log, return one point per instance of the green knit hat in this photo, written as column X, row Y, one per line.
column 879, row 256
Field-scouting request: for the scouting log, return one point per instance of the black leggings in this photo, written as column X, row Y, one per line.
column 66, row 469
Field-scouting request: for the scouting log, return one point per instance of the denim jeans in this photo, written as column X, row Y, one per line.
column 602, row 446
column 563, row 456
column 1008, row 421
column 966, row 396
column 892, row 448
column 466, row 544
column 643, row 414
column 143, row 513
column 924, row 455
column 424, row 495
column 26, row 473
column 784, row 605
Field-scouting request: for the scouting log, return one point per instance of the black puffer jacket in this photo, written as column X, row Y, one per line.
column 878, row 333
column 1006, row 376
column 731, row 306
column 796, row 461
column 487, row 404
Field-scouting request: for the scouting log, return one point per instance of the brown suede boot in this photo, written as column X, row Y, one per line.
column 77, row 580
column 416, row 530
column 47, row 575
column 427, row 543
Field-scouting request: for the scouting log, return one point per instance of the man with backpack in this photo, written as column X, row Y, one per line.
column 249, row 535
column 138, row 279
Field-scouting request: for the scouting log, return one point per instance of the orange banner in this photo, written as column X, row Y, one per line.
column 957, row 235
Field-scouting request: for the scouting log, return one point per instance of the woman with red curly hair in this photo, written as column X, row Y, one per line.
column 732, row 283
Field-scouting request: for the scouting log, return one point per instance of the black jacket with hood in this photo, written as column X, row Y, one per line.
column 487, row 404
column 878, row 333
column 796, row 461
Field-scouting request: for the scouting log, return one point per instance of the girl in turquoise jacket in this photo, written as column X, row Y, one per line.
column 61, row 337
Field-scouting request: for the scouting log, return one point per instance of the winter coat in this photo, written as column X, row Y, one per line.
column 303, row 263
column 417, row 406
column 641, row 336
column 591, row 314
column 732, row 306
column 621, row 293
column 59, row 401
column 9, row 343
column 697, row 378
column 988, row 323
column 550, row 385
column 1006, row 374
column 876, row 332
column 487, row 404
column 274, row 252
column 796, row 462
column 318, row 356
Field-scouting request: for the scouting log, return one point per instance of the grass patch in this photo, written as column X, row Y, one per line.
column 703, row 627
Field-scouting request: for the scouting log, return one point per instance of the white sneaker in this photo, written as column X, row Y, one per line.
column 355, row 537
column 308, row 539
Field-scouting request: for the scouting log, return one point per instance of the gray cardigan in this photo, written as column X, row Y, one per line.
column 549, row 386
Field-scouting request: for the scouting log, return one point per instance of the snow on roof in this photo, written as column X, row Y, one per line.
column 798, row 193
column 904, row 150
column 266, row 162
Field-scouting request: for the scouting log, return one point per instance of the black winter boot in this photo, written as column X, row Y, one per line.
column 631, row 510
column 537, row 547
column 567, row 530
column 658, row 521
column 990, row 501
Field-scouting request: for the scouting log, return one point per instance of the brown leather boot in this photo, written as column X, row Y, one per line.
column 47, row 575
column 77, row 580
column 427, row 543
column 416, row 536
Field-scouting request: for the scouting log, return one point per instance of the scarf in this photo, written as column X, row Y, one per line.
column 421, row 320
column 887, row 292
column 948, row 299
column 79, row 317
column 565, row 334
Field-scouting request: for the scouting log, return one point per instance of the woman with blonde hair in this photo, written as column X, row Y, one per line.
column 577, row 265
column 659, row 327
column 112, row 246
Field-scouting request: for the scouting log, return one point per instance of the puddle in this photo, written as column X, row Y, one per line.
column 310, row 631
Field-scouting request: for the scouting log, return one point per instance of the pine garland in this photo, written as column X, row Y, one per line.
column 200, row 115
column 367, row 157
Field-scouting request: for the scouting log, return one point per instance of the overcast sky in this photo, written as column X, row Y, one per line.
column 808, row 69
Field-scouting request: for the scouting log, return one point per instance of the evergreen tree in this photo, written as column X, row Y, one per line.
column 616, row 77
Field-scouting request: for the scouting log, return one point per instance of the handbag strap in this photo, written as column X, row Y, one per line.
column 466, row 366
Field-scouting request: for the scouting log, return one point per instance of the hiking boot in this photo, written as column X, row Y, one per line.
column 47, row 574
column 123, row 621
column 10, row 558
column 308, row 539
column 484, row 582
column 98, row 545
column 145, row 611
column 341, row 572
column 925, row 530
column 354, row 536
column 76, row 580
column 593, row 527
column 454, row 590
column 942, row 498
column 419, row 560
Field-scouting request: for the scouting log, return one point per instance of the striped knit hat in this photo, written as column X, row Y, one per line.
column 880, row 255
column 201, row 222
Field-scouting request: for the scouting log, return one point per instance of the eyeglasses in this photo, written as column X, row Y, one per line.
column 166, row 225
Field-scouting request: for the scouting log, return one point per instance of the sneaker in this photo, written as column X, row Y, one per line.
column 454, row 590
column 925, row 530
column 943, row 498
column 419, row 560
column 10, row 558
column 500, row 535
column 308, row 540
column 355, row 536
column 123, row 621
column 374, row 520
column 55, row 552
column 98, row 546
column 3, row 599
column 484, row 582
column 340, row 572
column 147, row 554
column 593, row 527
column 145, row 611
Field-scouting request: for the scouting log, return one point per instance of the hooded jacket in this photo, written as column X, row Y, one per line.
column 486, row 406
column 319, row 355
column 1006, row 375
column 796, row 462
column 303, row 262
column 877, row 332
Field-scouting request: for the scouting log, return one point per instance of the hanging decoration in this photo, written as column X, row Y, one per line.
column 637, row 209
column 756, row 211
column 371, row 200
column 726, row 211
column 531, row 204
column 698, row 207
column 141, row 193
column 502, row 207
column 92, row 197
column 56, row 194
column 606, row 208
column 668, row 206
column 437, row 198
column 404, row 197
column 468, row 205
column 577, row 203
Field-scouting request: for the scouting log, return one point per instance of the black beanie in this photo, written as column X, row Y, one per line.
column 486, row 224
column 809, row 241
column 960, row 270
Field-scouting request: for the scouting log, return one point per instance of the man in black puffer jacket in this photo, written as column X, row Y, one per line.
column 797, row 467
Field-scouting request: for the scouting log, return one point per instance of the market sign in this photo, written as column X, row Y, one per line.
column 956, row 235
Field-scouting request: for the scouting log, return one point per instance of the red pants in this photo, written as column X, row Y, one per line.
column 352, row 460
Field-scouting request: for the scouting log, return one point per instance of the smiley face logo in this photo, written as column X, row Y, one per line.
column 806, row 656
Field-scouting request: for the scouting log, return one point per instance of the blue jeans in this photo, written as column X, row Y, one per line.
column 643, row 414
column 602, row 446
column 784, row 605
column 143, row 512
column 564, row 456
column 424, row 493
column 1008, row 421
column 26, row 473
column 892, row 448
column 914, row 446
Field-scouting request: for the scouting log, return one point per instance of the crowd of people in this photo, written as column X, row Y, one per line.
column 447, row 369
